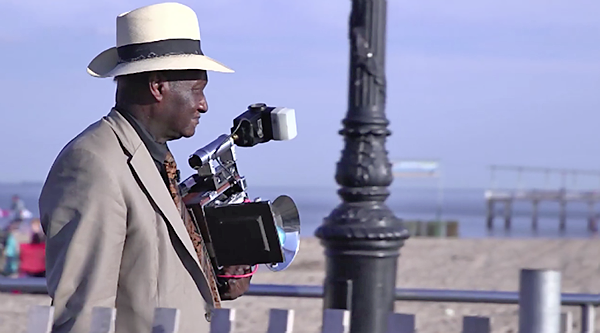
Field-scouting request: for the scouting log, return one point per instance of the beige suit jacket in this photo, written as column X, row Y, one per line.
column 115, row 237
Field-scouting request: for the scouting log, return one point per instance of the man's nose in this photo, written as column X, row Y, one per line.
column 203, row 106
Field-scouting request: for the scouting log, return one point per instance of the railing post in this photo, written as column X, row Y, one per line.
column 566, row 322
column 103, row 320
column 539, row 301
column 401, row 323
column 166, row 320
column 335, row 321
column 588, row 318
column 476, row 324
column 40, row 319
column 281, row 321
column 362, row 236
column 222, row 320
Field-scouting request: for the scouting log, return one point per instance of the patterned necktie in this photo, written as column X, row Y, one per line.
column 195, row 236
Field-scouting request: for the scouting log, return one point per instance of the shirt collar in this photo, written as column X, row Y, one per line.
column 157, row 150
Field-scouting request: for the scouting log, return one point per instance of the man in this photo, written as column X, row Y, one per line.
column 17, row 205
column 117, row 232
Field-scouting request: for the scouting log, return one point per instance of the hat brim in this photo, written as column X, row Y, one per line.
column 106, row 64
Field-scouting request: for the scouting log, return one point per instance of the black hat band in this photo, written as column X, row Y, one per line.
column 161, row 48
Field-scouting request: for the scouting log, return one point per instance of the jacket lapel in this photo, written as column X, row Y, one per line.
column 144, row 168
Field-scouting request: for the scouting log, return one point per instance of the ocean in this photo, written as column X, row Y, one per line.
column 467, row 206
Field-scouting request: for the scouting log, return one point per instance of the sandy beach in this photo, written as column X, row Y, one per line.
column 482, row 264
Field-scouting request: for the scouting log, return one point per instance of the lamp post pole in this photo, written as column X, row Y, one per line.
column 361, row 236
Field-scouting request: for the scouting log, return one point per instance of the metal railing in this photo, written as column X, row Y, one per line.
column 587, row 302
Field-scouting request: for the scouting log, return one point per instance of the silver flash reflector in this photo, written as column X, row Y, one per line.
column 287, row 222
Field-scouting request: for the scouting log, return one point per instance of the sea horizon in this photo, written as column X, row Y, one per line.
column 464, row 205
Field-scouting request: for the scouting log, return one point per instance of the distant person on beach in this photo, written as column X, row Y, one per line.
column 32, row 258
column 17, row 206
column 36, row 232
column 18, row 209
column 118, row 234
column 11, row 251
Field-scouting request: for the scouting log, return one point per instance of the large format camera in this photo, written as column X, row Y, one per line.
column 236, row 229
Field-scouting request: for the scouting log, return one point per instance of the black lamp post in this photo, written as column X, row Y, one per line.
column 362, row 237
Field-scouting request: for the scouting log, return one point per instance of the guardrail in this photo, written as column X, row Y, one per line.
column 587, row 302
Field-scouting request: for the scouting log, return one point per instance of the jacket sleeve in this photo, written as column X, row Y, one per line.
column 83, row 214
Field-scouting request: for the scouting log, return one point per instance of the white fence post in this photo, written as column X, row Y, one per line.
column 401, row 323
column 336, row 321
column 103, row 320
column 222, row 320
column 566, row 322
column 476, row 324
column 281, row 321
column 166, row 320
column 40, row 319
column 588, row 318
column 539, row 301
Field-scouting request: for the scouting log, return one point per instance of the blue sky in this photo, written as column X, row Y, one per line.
column 471, row 83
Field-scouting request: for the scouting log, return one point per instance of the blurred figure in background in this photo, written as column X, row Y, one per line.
column 17, row 205
column 11, row 250
column 24, row 249
column 18, row 209
column 37, row 233
column 32, row 257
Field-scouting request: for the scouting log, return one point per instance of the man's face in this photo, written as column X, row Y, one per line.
column 183, row 103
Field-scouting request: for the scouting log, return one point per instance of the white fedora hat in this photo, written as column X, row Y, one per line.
column 163, row 36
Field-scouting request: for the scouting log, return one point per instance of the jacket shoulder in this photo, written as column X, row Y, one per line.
column 98, row 139
column 89, row 157
column 85, row 167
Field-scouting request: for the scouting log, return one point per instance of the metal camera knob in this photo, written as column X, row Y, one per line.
column 257, row 107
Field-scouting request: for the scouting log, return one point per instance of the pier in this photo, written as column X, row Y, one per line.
column 542, row 191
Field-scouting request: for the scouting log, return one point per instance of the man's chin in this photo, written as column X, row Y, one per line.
column 186, row 134
column 189, row 133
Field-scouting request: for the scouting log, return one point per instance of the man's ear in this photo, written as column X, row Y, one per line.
column 157, row 85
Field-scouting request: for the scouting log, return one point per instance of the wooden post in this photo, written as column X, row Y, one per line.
column 591, row 216
column 490, row 214
column 507, row 213
column 563, row 214
column 534, row 216
column 452, row 229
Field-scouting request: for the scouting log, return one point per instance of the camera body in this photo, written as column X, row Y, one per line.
column 237, row 230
